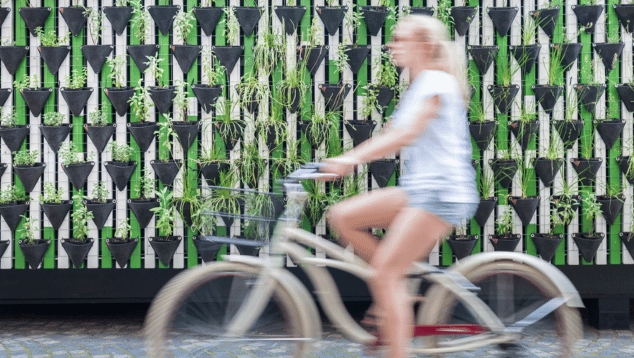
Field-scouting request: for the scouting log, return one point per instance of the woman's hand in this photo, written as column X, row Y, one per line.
column 341, row 165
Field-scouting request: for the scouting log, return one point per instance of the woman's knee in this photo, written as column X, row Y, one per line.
column 336, row 217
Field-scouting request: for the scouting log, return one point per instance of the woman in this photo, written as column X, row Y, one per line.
column 437, row 190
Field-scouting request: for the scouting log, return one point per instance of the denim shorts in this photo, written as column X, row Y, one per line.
column 430, row 201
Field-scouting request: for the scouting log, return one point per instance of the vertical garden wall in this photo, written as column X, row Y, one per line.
column 239, row 93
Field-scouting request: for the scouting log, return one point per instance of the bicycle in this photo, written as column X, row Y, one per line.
column 489, row 299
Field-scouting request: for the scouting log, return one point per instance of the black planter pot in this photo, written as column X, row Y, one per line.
column 56, row 213
column 546, row 244
column 589, row 95
column 185, row 55
column 588, row 245
column 332, row 17
column 208, row 250
column 625, row 14
column 75, row 18
column 230, row 133
column 208, row 18
column 140, row 53
column 53, row 56
column 314, row 136
column 547, row 96
column 290, row 16
column 384, row 96
column 207, row 95
column 573, row 200
column 12, row 213
column 100, row 211
column 610, row 131
column 374, row 17
column 78, row 173
column 29, row 174
column 334, row 95
column 186, row 132
column 96, row 55
column 356, row 56
column 315, row 217
column 34, row 17
column 12, row 57
column 504, row 243
column 228, row 220
column 569, row 131
column 483, row 132
column 14, row 137
column 626, row 239
column 587, row 169
column 610, row 207
column 184, row 208
column 526, row 56
column 4, row 244
column 55, row 135
column 162, row 97
column 76, row 99
column 119, row 98
column 100, row 135
column 462, row 248
column 485, row 208
column 315, row 54
column 165, row 247
column 76, row 251
column 546, row 19
column 524, row 207
column 120, row 172
column 524, row 132
column 462, row 17
column 166, row 171
column 122, row 250
column 502, row 18
column 228, row 56
column 483, row 56
column 141, row 209
column 3, row 168
column 4, row 11
column 503, row 171
column 34, row 254
column 608, row 53
column 422, row 10
column 143, row 134
column 248, row 249
column 546, row 169
column 118, row 16
column 252, row 179
column 163, row 16
column 36, row 99
column 569, row 53
column 250, row 102
column 503, row 96
column 360, row 131
column 587, row 15
column 211, row 171
column 4, row 95
column 624, row 164
column 270, row 136
column 626, row 94
column 248, row 17
column 382, row 170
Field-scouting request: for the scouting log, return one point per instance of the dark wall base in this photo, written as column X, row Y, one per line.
column 609, row 313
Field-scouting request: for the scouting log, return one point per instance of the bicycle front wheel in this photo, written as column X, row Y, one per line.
column 195, row 315
column 512, row 291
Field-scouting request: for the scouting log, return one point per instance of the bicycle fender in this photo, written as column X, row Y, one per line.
column 560, row 280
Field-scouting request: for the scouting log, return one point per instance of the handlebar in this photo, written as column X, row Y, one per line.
column 308, row 171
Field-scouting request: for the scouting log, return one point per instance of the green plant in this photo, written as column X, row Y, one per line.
column 120, row 152
column 587, row 149
column 232, row 26
column 95, row 21
column 212, row 70
column 53, row 119
column 529, row 31
column 591, row 72
column 478, row 112
column 211, row 154
column 80, row 217
column 505, row 222
column 591, row 210
column 442, row 13
column 554, row 63
column 123, row 229
column 525, row 175
column 25, row 157
column 314, row 36
column 226, row 201
column 183, row 24
column 352, row 18
column 555, row 148
column 165, row 213
column 141, row 21
column 148, row 185
column 50, row 195
column 164, row 133
column 181, row 100
column 341, row 59
column 486, row 185
column 118, row 66
column 121, row 2
column 251, row 89
column 12, row 194
column 154, row 68
column 8, row 118
column 526, row 115
column 561, row 214
column 370, row 102
column 97, row 118
column 251, row 164
column 570, row 113
column 30, row 82
column 268, row 49
column 78, row 79
column 386, row 73
column 141, row 103
column 29, row 228
column 49, row 38
column 100, row 193
column 293, row 159
column 69, row 154
column 317, row 201
column 506, row 72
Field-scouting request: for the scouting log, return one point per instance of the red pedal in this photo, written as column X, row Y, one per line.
column 447, row 329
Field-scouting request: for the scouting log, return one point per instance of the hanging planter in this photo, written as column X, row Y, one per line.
column 462, row 246
column 526, row 56
column 502, row 18
column 588, row 245
column 610, row 207
column 546, row 169
column 141, row 208
column 56, row 212
column 207, row 249
column 228, row 56
column 589, row 95
column 4, row 95
column 12, row 213
column 166, row 170
column 100, row 135
column 14, row 136
column 78, row 173
column 546, row 19
column 4, row 244
column 53, row 56
column 316, row 132
column 211, row 171
column 483, row 56
column 36, row 99
column 422, row 10
column 626, row 239
column 586, row 169
column 587, row 15
column 503, row 96
column 162, row 97
column 290, row 16
column 504, row 242
column 29, row 175
column 475, row 163
column 248, row 247
column 270, row 135
column 384, row 96
column 96, row 55
column 609, row 53
column 119, row 98
column 76, row 99
column 573, row 200
column 382, row 170
column 294, row 94
column 143, row 133
column 165, row 247
column 4, row 11
column 462, row 17
column 163, row 16
column 482, row 132
column 525, row 207
column 100, row 211
column 75, row 17
column 208, row 18
column 120, row 172
column 248, row 17
column 569, row 53
column 626, row 94
column 122, row 249
column 119, row 17
column 524, row 132
column 77, row 250
column 374, row 17
column 316, row 55
column 485, row 208
column 186, row 132
column 185, row 55
column 360, row 131
column 34, row 17
column 356, row 56
column 547, row 96
column 569, row 131
column 625, row 14
column 314, row 216
column 334, row 94
column 610, row 131
column 34, row 253
column 624, row 165
column 546, row 244
column 12, row 57
column 503, row 171
column 140, row 53
column 55, row 135
column 207, row 95
column 228, row 220
column 230, row 133
column 184, row 208
column 332, row 17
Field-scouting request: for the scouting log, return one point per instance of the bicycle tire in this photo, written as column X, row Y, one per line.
column 173, row 304
column 443, row 307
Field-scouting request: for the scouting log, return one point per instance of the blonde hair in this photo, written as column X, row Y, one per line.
column 451, row 58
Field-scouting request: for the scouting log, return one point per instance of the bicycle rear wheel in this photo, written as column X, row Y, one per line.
column 193, row 313
column 512, row 291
